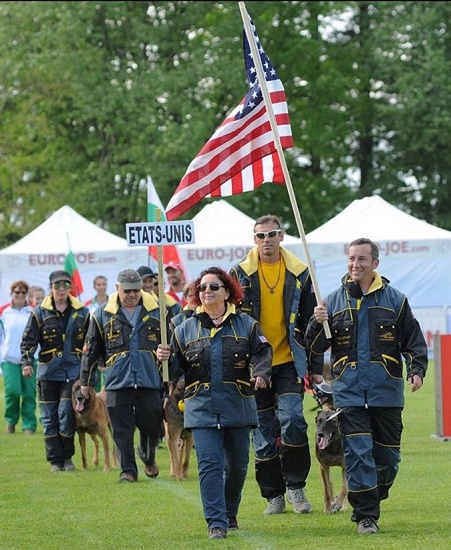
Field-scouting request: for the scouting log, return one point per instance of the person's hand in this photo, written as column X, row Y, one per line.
column 320, row 313
column 27, row 371
column 163, row 352
column 259, row 383
column 84, row 390
column 415, row 382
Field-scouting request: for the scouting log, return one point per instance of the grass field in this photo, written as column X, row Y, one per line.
column 90, row 510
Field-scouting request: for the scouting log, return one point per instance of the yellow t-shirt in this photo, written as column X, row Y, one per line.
column 272, row 318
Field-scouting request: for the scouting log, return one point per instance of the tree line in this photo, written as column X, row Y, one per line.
column 96, row 96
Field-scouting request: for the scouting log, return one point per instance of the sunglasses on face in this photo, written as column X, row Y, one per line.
column 60, row 286
column 271, row 234
column 132, row 290
column 16, row 292
column 214, row 287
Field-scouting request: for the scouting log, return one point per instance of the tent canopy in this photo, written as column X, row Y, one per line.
column 65, row 229
column 414, row 255
column 42, row 251
column 378, row 220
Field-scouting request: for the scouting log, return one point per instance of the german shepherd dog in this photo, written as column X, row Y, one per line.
column 178, row 440
column 91, row 417
column 329, row 452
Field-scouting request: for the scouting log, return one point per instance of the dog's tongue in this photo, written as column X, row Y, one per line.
column 323, row 441
column 80, row 406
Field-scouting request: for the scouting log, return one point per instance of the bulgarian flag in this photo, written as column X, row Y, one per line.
column 170, row 252
column 70, row 265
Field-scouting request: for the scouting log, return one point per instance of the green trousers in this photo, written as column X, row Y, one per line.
column 20, row 396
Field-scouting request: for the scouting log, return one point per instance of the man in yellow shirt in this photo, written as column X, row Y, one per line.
column 278, row 293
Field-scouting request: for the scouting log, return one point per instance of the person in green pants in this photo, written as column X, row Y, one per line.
column 20, row 392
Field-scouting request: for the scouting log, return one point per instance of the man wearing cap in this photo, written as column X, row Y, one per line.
column 176, row 281
column 124, row 333
column 58, row 326
column 150, row 284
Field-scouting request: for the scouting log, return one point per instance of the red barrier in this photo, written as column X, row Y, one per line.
column 442, row 359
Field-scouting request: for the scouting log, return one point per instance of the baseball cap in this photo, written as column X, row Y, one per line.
column 129, row 279
column 145, row 272
column 57, row 276
column 173, row 265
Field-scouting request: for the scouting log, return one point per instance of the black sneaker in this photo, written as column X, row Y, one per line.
column 367, row 526
column 233, row 523
column 217, row 533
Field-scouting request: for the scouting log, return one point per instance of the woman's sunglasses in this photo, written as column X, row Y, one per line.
column 59, row 286
column 214, row 287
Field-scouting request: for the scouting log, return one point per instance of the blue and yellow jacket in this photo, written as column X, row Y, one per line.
column 60, row 345
column 218, row 363
column 127, row 354
column 371, row 333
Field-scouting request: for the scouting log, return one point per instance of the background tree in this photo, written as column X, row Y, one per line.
column 96, row 96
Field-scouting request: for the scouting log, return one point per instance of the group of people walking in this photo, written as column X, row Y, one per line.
column 247, row 341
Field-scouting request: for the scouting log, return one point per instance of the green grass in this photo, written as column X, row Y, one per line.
column 90, row 510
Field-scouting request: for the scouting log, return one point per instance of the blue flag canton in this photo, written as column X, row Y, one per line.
column 255, row 96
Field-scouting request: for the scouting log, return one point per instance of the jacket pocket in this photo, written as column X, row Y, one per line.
column 342, row 336
column 392, row 365
column 114, row 340
column 338, row 367
column 386, row 339
column 236, row 355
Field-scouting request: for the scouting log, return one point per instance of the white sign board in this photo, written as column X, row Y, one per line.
column 160, row 233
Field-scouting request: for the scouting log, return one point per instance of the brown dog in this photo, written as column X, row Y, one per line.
column 91, row 417
column 329, row 452
column 178, row 440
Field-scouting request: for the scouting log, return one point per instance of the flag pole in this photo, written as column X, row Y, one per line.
column 70, row 252
column 162, row 301
column 272, row 120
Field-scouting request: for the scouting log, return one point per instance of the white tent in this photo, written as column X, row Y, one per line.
column 223, row 235
column 414, row 255
column 42, row 251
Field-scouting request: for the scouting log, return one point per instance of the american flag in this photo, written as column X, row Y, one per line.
column 241, row 154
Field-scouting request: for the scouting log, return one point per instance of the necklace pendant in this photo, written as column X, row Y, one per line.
column 271, row 290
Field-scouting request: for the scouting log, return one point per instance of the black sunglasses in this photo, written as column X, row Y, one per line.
column 214, row 287
column 134, row 290
column 271, row 234
column 19, row 292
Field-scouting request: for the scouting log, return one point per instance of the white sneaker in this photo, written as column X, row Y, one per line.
column 276, row 506
column 297, row 498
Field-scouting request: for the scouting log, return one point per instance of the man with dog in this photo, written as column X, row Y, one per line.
column 58, row 327
column 278, row 293
column 373, row 329
column 124, row 334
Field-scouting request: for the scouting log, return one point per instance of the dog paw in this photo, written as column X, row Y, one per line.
column 338, row 507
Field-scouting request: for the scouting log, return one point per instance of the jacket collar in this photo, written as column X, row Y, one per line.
column 147, row 301
column 48, row 304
